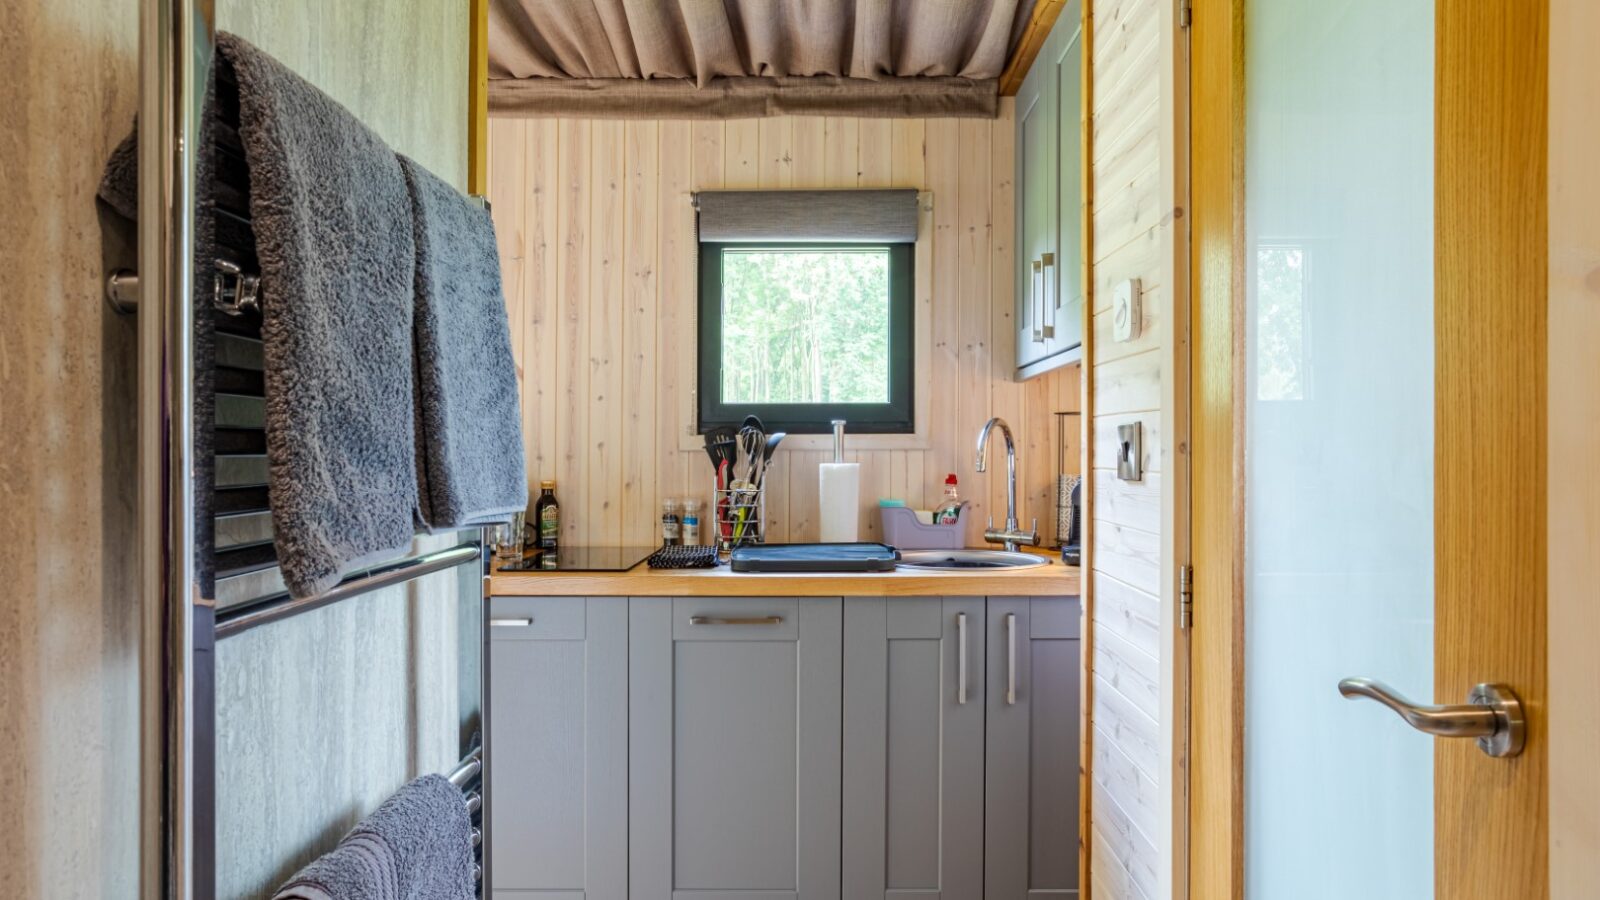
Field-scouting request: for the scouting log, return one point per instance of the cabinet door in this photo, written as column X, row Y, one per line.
column 558, row 744
column 913, row 747
column 1031, row 796
column 735, row 733
column 1037, row 196
column 1064, row 293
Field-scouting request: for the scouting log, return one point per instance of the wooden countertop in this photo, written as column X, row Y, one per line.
column 1054, row 579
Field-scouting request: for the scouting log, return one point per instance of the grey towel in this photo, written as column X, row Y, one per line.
column 417, row 846
column 333, row 232
column 470, row 465
column 119, row 184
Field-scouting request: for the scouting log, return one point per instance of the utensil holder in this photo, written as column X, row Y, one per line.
column 740, row 516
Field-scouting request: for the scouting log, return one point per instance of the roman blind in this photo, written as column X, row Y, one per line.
column 856, row 217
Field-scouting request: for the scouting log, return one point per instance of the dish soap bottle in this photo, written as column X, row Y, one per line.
column 547, row 516
column 949, row 509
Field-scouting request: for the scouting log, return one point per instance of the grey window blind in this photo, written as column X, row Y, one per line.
column 856, row 217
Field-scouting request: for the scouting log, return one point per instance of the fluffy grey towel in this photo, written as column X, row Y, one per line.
column 333, row 232
column 119, row 184
column 417, row 846
column 470, row 466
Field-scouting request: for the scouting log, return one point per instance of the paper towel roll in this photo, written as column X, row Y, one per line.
column 839, row 501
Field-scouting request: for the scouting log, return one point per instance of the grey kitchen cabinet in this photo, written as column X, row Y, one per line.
column 1031, row 748
column 783, row 748
column 557, row 747
column 734, row 748
column 913, row 747
column 1050, row 291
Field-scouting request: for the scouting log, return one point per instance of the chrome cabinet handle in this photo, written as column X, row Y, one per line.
column 1049, row 307
column 511, row 623
column 755, row 620
column 1011, row 659
column 1035, row 307
column 961, row 658
column 1492, row 714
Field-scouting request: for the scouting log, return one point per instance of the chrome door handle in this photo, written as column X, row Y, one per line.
column 1492, row 714
column 1011, row 659
column 1035, row 305
column 756, row 620
column 511, row 623
column 1049, row 307
column 961, row 658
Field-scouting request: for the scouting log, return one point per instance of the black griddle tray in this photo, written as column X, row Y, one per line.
column 799, row 558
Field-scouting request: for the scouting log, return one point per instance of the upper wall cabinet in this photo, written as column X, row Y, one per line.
column 1050, row 208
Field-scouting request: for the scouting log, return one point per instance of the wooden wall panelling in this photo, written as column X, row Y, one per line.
column 1130, row 238
column 976, row 390
column 942, row 163
column 571, row 336
column 678, row 474
column 906, row 169
column 607, row 296
column 707, row 173
column 540, row 270
column 607, row 248
column 641, row 460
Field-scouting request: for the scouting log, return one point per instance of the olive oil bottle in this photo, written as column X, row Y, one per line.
column 547, row 516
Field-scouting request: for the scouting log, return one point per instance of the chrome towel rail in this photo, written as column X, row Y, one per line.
column 468, row 769
column 399, row 572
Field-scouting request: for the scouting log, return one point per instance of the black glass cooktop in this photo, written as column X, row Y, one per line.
column 580, row 559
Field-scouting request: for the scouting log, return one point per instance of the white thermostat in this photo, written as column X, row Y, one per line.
column 1125, row 312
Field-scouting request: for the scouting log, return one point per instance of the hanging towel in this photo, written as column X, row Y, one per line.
column 470, row 464
column 332, row 219
column 417, row 846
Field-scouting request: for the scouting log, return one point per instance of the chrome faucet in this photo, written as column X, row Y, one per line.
column 1011, row 536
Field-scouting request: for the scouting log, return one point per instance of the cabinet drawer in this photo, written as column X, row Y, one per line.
column 537, row 618
column 735, row 618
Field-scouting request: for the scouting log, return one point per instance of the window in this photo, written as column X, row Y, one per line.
column 801, row 333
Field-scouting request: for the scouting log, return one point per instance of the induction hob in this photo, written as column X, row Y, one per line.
column 580, row 559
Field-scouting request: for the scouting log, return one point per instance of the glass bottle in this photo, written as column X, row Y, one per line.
column 691, row 523
column 949, row 509
column 671, row 530
column 547, row 516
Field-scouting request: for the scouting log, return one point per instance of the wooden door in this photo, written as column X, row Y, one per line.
column 734, row 733
column 1457, row 532
column 1031, row 786
column 558, row 746
column 913, row 747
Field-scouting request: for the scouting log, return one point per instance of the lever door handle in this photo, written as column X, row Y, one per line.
column 1492, row 714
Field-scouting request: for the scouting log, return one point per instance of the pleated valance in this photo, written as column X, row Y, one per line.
column 738, row 58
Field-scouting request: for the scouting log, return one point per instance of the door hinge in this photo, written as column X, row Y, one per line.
column 1185, row 597
column 1185, row 13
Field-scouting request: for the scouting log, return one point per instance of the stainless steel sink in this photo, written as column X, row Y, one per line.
column 969, row 559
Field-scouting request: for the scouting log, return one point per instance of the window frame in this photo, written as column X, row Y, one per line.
column 898, row 416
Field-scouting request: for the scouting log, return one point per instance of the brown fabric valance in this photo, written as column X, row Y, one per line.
column 739, row 58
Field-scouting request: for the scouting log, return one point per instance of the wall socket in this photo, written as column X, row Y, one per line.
column 1126, row 312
